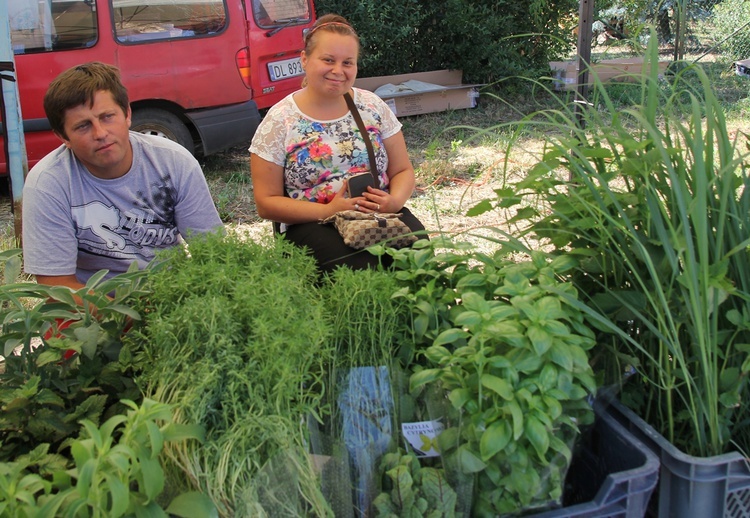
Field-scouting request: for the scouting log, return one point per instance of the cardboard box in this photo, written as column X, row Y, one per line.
column 448, row 93
column 565, row 73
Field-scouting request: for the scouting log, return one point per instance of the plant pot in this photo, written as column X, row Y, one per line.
column 612, row 473
column 691, row 487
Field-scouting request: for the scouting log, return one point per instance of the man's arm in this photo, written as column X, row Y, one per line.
column 60, row 280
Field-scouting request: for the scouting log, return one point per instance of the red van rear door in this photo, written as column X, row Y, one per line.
column 276, row 31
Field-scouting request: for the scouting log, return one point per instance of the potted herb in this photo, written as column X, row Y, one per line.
column 114, row 471
column 54, row 375
column 509, row 349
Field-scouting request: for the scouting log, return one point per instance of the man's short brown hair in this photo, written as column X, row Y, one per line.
column 77, row 86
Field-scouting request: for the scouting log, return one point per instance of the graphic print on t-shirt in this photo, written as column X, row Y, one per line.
column 104, row 230
column 102, row 221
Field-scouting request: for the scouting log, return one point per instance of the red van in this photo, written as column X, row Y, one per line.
column 197, row 71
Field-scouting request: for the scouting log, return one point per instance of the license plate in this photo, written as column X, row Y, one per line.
column 285, row 69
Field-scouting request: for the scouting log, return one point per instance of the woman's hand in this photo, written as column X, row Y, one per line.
column 376, row 200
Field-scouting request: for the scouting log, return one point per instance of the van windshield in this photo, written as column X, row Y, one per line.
column 276, row 13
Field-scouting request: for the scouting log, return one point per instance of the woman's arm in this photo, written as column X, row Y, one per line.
column 272, row 204
column 401, row 175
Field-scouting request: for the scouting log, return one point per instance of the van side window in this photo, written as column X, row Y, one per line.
column 51, row 25
column 148, row 20
column 276, row 13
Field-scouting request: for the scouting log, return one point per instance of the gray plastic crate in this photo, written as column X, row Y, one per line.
column 612, row 474
column 691, row 487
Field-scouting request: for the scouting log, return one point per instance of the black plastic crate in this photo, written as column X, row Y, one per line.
column 612, row 474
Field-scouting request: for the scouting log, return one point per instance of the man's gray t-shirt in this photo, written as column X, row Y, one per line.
column 74, row 222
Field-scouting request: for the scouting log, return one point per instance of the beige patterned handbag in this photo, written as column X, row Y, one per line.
column 360, row 229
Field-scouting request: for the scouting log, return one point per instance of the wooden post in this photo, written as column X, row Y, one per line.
column 585, row 23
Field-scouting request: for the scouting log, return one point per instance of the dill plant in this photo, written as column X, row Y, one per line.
column 234, row 338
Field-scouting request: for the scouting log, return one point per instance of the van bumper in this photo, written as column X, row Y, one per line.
column 226, row 127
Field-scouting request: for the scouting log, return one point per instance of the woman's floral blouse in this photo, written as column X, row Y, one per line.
column 317, row 156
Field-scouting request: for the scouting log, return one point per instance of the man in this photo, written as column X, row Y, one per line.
column 108, row 196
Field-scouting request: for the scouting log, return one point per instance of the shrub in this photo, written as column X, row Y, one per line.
column 486, row 39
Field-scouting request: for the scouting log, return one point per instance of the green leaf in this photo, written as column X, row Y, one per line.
column 517, row 415
column 540, row 339
column 176, row 432
column 494, row 439
column 498, row 385
column 480, row 208
column 404, row 486
column 554, row 408
column 10, row 346
column 437, row 354
column 448, row 439
column 423, row 377
column 85, row 475
column 548, row 377
column 500, row 362
column 469, row 319
column 153, row 476
column 450, row 336
column 124, row 310
column 118, row 494
column 537, row 435
column 468, row 460
column 472, row 280
column 149, row 510
column 49, row 356
column 561, row 355
column 458, row 397
column 563, row 263
column 558, row 445
column 438, row 491
column 89, row 336
column 193, row 505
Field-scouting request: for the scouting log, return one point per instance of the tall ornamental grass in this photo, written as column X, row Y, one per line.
column 652, row 199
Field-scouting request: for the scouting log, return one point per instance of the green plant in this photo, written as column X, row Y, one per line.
column 236, row 339
column 116, row 471
column 411, row 490
column 655, row 208
column 55, row 375
column 508, row 347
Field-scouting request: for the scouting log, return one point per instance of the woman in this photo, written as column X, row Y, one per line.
column 308, row 145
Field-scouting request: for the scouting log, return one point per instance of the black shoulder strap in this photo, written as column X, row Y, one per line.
column 365, row 136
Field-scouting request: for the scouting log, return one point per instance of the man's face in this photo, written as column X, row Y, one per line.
column 99, row 136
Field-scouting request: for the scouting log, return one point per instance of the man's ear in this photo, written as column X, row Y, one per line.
column 129, row 116
column 63, row 138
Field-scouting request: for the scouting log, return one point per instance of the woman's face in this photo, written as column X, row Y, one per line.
column 331, row 65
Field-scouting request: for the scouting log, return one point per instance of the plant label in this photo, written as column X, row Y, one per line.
column 422, row 437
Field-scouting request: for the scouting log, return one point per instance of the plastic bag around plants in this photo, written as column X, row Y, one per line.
column 286, row 487
column 421, row 420
column 359, row 432
column 515, row 481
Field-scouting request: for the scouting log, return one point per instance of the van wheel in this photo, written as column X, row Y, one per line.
column 153, row 121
